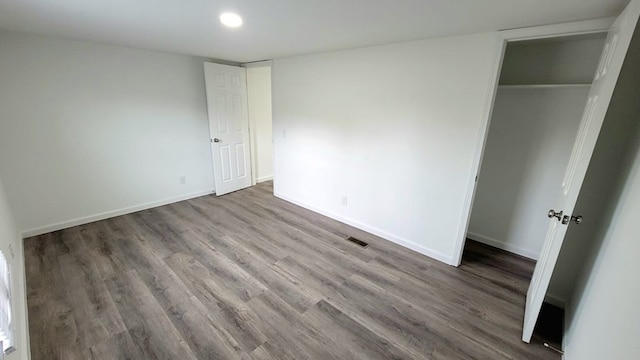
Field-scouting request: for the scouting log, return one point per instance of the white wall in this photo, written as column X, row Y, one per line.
column 562, row 60
column 89, row 129
column 528, row 147
column 11, row 243
column 394, row 128
column 259, row 94
column 603, row 319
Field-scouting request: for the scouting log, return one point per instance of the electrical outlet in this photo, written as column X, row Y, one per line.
column 183, row 180
column 284, row 134
column 344, row 200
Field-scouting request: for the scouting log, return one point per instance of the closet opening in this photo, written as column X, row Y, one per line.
column 542, row 91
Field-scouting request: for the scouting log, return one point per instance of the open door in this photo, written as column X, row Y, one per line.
column 226, row 88
column 561, row 216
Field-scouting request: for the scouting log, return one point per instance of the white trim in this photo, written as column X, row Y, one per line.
column 253, row 147
column 23, row 294
column 370, row 229
column 109, row 214
column 264, row 178
column 504, row 246
column 8, row 311
column 557, row 30
column 542, row 86
column 262, row 63
column 213, row 171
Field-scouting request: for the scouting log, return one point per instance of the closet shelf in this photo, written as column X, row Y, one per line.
column 543, row 86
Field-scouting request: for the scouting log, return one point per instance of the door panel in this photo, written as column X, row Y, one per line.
column 229, row 126
column 225, row 166
column 600, row 95
column 241, row 167
column 237, row 113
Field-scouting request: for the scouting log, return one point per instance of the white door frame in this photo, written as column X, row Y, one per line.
column 505, row 36
column 252, row 136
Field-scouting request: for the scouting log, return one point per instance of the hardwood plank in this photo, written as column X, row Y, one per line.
column 55, row 325
column 41, row 268
column 161, row 281
column 50, row 314
column 93, row 309
column 225, row 307
column 413, row 330
column 506, row 270
column 264, row 353
column 117, row 347
column 297, row 339
column 469, row 298
column 285, row 285
column 187, row 216
column 226, row 272
column 361, row 342
column 203, row 334
column 160, row 235
column 148, row 324
column 103, row 242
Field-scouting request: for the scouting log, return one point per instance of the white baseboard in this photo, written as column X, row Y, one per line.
column 110, row 214
column 373, row 230
column 501, row 245
column 264, row 178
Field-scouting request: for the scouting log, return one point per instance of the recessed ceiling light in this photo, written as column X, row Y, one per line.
column 230, row 19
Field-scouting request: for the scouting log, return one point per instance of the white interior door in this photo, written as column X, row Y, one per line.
column 600, row 94
column 226, row 88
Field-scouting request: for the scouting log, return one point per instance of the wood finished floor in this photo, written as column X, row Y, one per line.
column 249, row 276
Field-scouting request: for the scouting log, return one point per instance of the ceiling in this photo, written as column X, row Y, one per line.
column 278, row 28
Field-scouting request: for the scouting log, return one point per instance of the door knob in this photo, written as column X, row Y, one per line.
column 553, row 214
column 216, row 140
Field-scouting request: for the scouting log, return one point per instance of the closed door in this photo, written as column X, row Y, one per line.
column 226, row 88
column 561, row 215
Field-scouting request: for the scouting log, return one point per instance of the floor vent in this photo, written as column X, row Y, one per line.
column 357, row 241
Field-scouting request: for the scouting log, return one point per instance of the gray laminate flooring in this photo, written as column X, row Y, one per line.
column 249, row 276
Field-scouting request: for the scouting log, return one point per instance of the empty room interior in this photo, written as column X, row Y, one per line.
column 219, row 179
